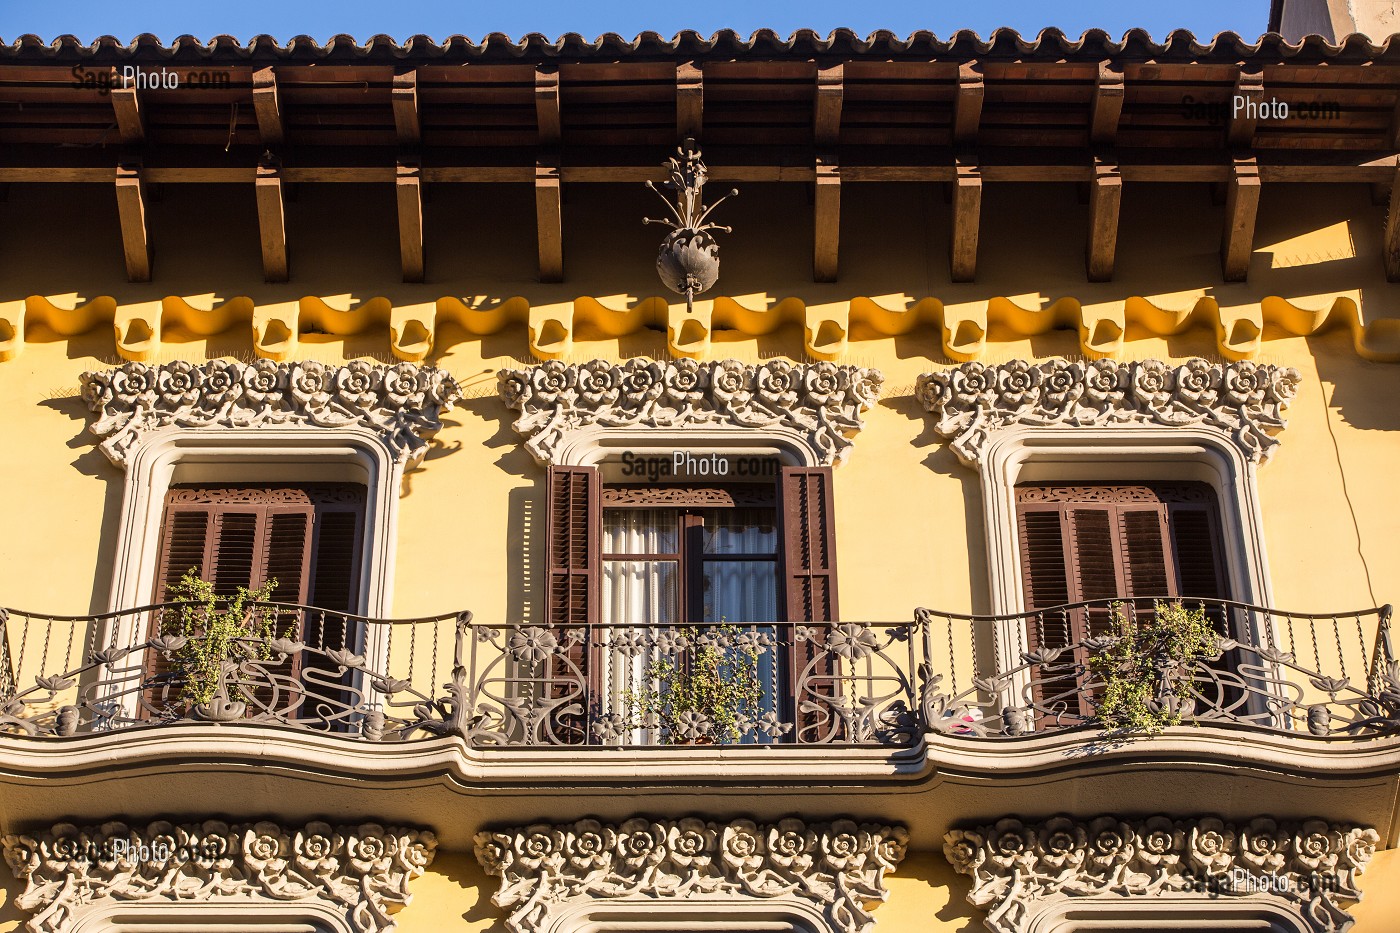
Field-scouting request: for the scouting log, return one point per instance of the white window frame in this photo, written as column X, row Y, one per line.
column 224, row 456
column 692, row 915
column 216, row 917
column 1126, row 453
column 1168, row 913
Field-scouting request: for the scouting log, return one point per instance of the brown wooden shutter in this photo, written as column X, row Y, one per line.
column 809, row 544
column 1045, row 576
column 1095, row 542
column 244, row 536
column 1195, row 539
column 808, row 521
column 573, row 535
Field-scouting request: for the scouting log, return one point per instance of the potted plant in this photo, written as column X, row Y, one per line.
column 704, row 692
column 1146, row 661
column 208, row 637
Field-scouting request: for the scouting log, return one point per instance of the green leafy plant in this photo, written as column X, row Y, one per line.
column 1146, row 661
column 213, row 631
column 704, row 693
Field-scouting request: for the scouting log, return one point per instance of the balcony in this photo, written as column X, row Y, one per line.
column 981, row 679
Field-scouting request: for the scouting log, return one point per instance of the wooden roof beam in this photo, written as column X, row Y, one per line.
column 827, row 116
column 267, row 107
column 1108, row 105
column 967, row 218
column 549, row 218
column 547, row 104
column 272, row 219
column 826, row 219
column 1241, row 211
column 967, row 104
column 549, row 210
column 408, row 188
column 131, row 211
column 1105, row 195
column 126, row 104
column 690, row 101
column 1390, row 246
column 404, row 97
column 1244, row 109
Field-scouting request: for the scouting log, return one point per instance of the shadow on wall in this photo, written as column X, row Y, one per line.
column 455, row 881
column 1367, row 395
column 523, row 514
column 11, row 917
column 925, row 883
column 941, row 460
column 92, row 462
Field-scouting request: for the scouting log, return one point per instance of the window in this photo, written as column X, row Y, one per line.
column 1088, row 542
column 305, row 537
column 749, row 554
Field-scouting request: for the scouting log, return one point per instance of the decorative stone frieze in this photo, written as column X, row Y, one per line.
column 840, row 866
column 1020, row 871
column 401, row 403
column 362, row 870
column 1244, row 400
column 822, row 402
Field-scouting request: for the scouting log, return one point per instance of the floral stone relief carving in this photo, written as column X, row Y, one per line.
column 1020, row 870
column 400, row 403
column 363, row 870
column 821, row 401
column 1244, row 400
column 839, row 867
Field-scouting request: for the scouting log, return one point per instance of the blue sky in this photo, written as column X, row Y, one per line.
column 441, row 18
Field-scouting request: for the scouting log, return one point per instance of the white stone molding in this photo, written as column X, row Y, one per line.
column 359, row 873
column 1031, row 877
column 401, row 404
column 1243, row 400
column 814, row 405
column 549, row 871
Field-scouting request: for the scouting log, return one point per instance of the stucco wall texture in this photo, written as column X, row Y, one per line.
column 909, row 516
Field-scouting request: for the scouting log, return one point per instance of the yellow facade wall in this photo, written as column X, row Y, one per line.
column 921, row 545
column 909, row 516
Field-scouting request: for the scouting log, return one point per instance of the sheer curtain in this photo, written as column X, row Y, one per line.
column 636, row 594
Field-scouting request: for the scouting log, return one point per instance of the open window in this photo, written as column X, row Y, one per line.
column 1106, row 542
column 628, row 557
column 307, row 537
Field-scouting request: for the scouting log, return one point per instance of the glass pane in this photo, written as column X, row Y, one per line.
column 639, row 531
column 742, row 592
column 741, row 531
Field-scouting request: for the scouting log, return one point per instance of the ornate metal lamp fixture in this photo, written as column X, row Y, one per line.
column 688, row 260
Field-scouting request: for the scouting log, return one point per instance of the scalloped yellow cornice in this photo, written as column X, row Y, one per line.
column 963, row 327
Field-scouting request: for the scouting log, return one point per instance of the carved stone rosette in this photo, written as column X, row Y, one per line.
column 822, row 402
column 362, row 870
column 1244, row 400
column 400, row 403
column 1021, row 870
column 839, row 867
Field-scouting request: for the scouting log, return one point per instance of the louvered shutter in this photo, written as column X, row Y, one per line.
column 573, row 533
column 245, row 536
column 809, row 544
column 809, row 568
column 1200, row 571
column 1112, row 541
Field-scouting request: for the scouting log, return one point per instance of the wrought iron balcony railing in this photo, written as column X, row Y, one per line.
column 849, row 683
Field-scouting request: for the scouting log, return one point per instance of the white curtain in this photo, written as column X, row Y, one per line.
column 636, row 594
